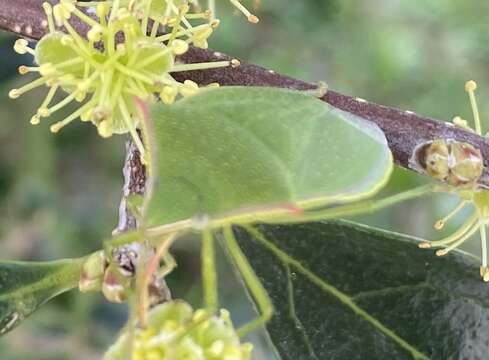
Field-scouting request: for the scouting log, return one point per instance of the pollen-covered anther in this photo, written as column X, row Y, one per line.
column 67, row 7
column 253, row 19
column 235, row 63
column 441, row 252
column 183, row 9
column 35, row 120
column 168, row 94
column 207, row 14
column 60, row 14
column 14, row 93
column 67, row 40
column 102, row 10
column 470, row 85
column 485, row 273
column 43, row 112
column 215, row 23
column 105, row 129
column 439, row 224
column 87, row 115
column 55, row 128
column 189, row 88
column 80, row 96
column 21, row 46
column 424, row 245
column 95, row 33
column 23, row 69
column 179, row 47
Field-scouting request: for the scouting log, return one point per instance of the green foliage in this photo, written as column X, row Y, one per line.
column 24, row 286
column 246, row 149
column 343, row 290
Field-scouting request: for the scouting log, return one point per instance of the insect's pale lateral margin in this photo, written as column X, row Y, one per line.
column 404, row 130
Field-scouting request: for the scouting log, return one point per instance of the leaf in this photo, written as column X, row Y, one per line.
column 355, row 292
column 25, row 286
column 245, row 148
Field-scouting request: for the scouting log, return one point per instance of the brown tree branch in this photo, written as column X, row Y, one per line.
column 404, row 130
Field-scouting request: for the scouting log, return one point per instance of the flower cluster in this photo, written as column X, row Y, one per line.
column 175, row 331
column 122, row 58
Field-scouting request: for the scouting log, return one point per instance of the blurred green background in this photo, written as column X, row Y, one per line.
column 59, row 195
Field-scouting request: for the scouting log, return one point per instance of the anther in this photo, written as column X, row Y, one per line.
column 470, row 86
column 23, row 70
column 179, row 47
column 14, row 94
column 35, row 120
column 424, row 245
column 441, row 252
column 20, row 46
column 439, row 224
column 253, row 19
column 235, row 63
column 43, row 112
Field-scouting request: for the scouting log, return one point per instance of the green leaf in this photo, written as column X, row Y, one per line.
column 245, row 148
column 25, row 286
column 346, row 291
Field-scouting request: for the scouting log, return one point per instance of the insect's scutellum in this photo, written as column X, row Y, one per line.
column 105, row 75
column 460, row 165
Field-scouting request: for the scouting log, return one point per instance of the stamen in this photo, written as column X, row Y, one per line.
column 203, row 15
column 21, row 47
column 43, row 110
column 441, row 223
column 181, row 13
column 48, row 10
column 459, row 242
column 201, row 66
column 144, row 22
column 484, row 269
column 134, row 74
column 60, row 124
column 84, row 17
column 453, row 237
column 212, row 8
column 15, row 93
column 132, row 129
column 63, row 103
column 470, row 87
column 251, row 18
column 153, row 57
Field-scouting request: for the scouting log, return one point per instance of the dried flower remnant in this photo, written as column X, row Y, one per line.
column 105, row 76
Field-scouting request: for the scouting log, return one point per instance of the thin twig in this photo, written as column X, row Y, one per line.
column 404, row 130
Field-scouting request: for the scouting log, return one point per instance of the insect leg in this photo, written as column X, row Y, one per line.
column 252, row 282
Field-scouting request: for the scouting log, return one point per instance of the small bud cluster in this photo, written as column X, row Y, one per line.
column 121, row 59
column 175, row 331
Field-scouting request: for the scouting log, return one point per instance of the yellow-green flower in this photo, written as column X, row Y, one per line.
column 120, row 59
column 175, row 331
